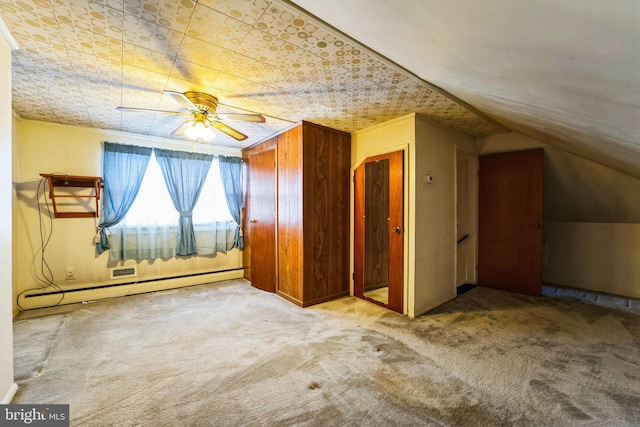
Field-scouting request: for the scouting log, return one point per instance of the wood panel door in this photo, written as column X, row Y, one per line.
column 291, row 255
column 262, row 219
column 510, row 221
column 325, row 210
column 379, row 230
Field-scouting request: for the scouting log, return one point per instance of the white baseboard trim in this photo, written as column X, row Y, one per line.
column 130, row 289
column 9, row 396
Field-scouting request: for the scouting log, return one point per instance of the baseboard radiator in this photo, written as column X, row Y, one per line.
column 75, row 295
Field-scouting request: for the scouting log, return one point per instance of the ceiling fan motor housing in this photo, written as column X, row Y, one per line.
column 203, row 101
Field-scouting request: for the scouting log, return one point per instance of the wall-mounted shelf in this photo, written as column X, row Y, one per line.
column 69, row 187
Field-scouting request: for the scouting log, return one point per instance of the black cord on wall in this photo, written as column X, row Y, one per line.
column 46, row 275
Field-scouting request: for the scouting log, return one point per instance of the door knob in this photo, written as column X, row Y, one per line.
column 252, row 220
column 537, row 225
column 397, row 230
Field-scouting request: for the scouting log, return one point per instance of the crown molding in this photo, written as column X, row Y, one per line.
column 4, row 30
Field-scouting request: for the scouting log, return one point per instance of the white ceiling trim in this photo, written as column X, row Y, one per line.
column 4, row 30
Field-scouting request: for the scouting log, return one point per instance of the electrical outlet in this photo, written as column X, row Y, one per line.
column 71, row 273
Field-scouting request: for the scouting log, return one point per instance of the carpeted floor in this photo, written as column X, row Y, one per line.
column 226, row 354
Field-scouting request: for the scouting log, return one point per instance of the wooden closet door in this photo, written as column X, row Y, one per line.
column 510, row 221
column 290, row 221
column 326, row 176
column 262, row 219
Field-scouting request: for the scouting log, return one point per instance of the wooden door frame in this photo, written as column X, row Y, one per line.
column 471, row 241
column 358, row 230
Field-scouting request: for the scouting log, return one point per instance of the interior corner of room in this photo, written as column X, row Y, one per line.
column 580, row 209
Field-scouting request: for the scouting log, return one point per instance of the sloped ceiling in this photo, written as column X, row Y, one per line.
column 80, row 59
column 566, row 72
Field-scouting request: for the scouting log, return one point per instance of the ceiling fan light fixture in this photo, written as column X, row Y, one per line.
column 199, row 130
column 205, row 120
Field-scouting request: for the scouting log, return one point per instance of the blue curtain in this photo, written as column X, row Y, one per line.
column 123, row 167
column 230, row 170
column 184, row 174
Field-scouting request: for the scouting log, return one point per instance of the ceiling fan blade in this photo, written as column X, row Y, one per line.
column 182, row 128
column 262, row 114
column 181, row 99
column 228, row 130
column 147, row 110
column 244, row 117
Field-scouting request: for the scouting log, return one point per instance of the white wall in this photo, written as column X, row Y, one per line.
column 434, row 207
column 53, row 148
column 591, row 220
column 594, row 256
column 7, row 385
column 430, row 209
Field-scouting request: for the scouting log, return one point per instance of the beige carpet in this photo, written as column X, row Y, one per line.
column 228, row 355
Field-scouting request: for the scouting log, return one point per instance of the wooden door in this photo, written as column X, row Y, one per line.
column 510, row 221
column 262, row 219
column 325, row 211
column 379, row 230
column 291, row 256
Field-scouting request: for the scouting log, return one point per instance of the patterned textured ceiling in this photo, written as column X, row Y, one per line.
column 81, row 59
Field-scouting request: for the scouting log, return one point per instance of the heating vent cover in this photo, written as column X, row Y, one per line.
column 118, row 273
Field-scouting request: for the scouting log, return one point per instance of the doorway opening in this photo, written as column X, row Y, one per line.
column 466, row 219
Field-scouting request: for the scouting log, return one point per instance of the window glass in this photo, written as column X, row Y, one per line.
column 153, row 205
column 212, row 204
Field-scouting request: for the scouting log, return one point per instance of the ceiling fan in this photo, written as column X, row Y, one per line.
column 201, row 108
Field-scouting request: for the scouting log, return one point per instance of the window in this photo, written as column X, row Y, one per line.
column 150, row 227
column 153, row 205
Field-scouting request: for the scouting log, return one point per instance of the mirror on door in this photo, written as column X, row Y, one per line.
column 376, row 231
column 379, row 230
